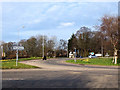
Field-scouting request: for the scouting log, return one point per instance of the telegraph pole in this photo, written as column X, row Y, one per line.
column 43, row 46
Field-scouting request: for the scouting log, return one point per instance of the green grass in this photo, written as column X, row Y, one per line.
column 11, row 63
column 95, row 61
column 24, row 59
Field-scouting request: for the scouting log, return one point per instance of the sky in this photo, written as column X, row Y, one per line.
column 60, row 19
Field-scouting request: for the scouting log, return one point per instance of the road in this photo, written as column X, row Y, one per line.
column 55, row 73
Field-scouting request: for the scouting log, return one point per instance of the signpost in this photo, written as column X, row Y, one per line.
column 92, row 53
column 18, row 47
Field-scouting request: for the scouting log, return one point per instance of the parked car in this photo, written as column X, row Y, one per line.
column 78, row 56
column 98, row 55
column 92, row 56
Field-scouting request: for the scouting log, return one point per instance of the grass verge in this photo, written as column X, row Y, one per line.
column 94, row 61
column 11, row 63
column 24, row 59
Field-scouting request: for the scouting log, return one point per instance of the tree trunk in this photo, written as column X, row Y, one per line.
column 119, row 54
column 115, row 56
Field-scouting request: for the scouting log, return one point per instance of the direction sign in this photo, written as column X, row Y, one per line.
column 92, row 53
column 18, row 47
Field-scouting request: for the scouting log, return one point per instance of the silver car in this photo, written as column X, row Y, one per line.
column 92, row 56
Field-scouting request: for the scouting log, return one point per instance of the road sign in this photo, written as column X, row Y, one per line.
column 18, row 47
column 92, row 53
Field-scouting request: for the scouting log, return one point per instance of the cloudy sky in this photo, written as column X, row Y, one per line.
column 60, row 19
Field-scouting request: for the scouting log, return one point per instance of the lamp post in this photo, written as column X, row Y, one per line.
column 43, row 46
column 17, row 51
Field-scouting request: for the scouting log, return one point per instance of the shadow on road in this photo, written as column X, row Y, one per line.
column 62, row 80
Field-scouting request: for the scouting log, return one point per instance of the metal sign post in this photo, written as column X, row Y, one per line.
column 17, row 48
column 16, row 56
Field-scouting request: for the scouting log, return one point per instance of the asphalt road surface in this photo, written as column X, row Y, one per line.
column 55, row 73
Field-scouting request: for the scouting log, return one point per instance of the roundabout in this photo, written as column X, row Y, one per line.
column 55, row 73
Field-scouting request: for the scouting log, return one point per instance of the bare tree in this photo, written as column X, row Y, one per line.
column 109, row 28
column 62, row 48
column 84, row 36
column 119, row 38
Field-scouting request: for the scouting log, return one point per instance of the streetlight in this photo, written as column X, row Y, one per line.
column 17, row 47
column 43, row 46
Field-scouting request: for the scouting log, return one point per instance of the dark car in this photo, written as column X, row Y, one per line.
column 79, row 56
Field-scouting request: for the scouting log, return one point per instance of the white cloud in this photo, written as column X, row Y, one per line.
column 58, row 16
column 66, row 24
column 53, row 8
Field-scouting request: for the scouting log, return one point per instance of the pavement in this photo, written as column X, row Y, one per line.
column 55, row 73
